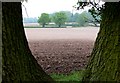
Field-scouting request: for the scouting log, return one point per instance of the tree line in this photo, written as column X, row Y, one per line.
column 64, row 18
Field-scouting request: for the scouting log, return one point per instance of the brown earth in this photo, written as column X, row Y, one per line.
column 61, row 50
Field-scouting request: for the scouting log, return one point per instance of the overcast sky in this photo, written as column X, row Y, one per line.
column 36, row 7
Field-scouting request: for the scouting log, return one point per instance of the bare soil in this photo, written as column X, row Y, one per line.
column 62, row 50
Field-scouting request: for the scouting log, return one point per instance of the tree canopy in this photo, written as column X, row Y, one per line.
column 44, row 19
column 79, row 19
column 59, row 18
column 96, row 10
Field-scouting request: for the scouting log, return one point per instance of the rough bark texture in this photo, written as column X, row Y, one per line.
column 104, row 64
column 18, row 63
column 0, row 42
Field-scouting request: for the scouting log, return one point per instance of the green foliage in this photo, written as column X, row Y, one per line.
column 96, row 10
column 44, row 19
column 59, row 18
column 81, row 20
column 73, row 76
column 85, row 18
column 96, row 14
column 75, row 17
column 68, row 14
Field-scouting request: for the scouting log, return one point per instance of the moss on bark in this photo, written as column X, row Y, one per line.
column 104, row 64
column 18, row 62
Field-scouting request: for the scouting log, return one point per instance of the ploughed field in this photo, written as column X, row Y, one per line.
column 61, row 50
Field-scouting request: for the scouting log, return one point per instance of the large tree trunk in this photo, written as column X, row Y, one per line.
column 0, row 42
column 18, row 62
column 104, row 64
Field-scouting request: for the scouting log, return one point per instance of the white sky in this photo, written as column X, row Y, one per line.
column 36, row 7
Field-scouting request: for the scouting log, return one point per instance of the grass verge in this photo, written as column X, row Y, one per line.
column 73, row 76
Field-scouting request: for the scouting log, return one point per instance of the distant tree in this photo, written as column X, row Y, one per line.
column 69, row 15
column 75, row 17
column 59, row 18
column 51, row 16
column 44, row 19
column 85, row 17
column 82, row 19
column 91, row 19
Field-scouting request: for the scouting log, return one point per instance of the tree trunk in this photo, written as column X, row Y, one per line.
column 0, row 42
column 104, row 64
column 18, row 62
column 59, row 25
column 43, row 25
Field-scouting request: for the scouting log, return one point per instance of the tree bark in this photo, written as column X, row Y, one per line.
column 59, row 25
column 0, row 42
column 104, row 64
column 43, row 25
column 18, row 64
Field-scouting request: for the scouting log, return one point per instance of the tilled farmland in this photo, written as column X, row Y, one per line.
column 61, row 54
